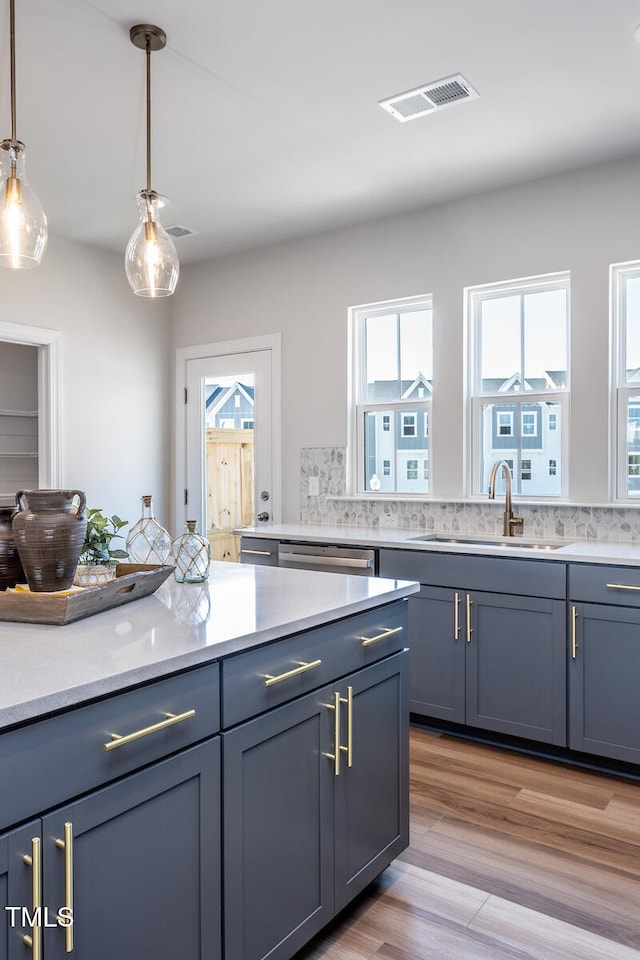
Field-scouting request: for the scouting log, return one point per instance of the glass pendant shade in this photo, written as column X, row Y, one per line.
column 23, row 224
column 151, row 261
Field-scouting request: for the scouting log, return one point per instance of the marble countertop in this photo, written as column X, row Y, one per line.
column 48, row 668
column 579, row 551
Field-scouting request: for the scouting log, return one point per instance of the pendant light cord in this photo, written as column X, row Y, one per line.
column 12, row 31
column 148, row 55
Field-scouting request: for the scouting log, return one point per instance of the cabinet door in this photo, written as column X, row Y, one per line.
column 16, row 889
column 516, row 666
column 604, row 666
column 278, row 828
column 145, row 864
column 371, row 794
column 437, row 655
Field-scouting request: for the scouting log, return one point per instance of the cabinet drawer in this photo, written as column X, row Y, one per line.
column 597, row 583
column 51, row 761
column 259, row 550
column 533, row 578
column 265, row 677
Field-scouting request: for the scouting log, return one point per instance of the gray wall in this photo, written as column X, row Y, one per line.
column 579, row 222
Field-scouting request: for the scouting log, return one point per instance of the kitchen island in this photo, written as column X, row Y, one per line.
column 259, row 721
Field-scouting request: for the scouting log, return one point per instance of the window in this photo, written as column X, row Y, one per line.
column 391, row 391
column 425, row 469
column 519, row 382
column 625, row 315
column 529, row 424
column 408, row 424
column 553, row 466
column 236, row 400
column 505, row 423
column 247, row 424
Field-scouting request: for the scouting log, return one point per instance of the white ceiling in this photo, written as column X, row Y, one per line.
column 266, row 123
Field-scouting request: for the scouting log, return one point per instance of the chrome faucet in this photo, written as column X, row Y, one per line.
column 511, row 525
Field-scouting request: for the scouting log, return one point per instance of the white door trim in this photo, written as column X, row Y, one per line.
column 272, row 342
column 49, row 343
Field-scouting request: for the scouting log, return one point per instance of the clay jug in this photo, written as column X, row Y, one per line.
column 49, row 533
column 11, row 571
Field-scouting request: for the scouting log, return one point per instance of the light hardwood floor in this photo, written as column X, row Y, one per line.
column 511, row 858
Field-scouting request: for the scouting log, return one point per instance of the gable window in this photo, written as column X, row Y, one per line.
column 391, row 389
column 625, row 316
column 519, row 382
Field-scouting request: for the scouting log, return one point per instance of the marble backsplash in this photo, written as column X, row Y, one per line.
column 332, row 506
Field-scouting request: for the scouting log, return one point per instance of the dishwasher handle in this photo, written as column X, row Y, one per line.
column 318, row 559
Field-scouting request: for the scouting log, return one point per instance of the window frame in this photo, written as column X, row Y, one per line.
column 360, row 407
column 621, row 390
column 477, row 398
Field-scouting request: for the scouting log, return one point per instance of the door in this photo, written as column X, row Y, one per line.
column 604, row 665
column 16, row 891
column 278, row 829
column 372, row 790
column 437, row 655
column 229, row 442
column 515, row 666
column 142, row 870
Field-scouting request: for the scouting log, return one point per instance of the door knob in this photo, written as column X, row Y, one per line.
column 262, row 516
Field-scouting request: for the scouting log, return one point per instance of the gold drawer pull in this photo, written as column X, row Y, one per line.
column 349, row 747
column 118, row 741
column 258, row 553
column 456, row 617
column 469, row 627
column 35, row 862
column 67, row 846
column 380, row 636
column 621, row 586
column 301, row 668
column 574, row 638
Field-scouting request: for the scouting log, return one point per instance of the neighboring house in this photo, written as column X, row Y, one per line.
column 526, row 435
column 230, row 408
column 397, row 442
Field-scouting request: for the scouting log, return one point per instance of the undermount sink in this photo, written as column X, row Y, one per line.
column 516, row 543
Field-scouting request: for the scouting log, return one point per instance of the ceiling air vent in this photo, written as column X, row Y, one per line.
column 178, row 231
column 429, row 98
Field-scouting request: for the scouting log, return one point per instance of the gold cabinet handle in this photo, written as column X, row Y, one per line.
column 118, row 741
column 335, row 756
column 34, row 860
column 456, row 616
column 574, row 641
column 257, row 553
column 349, row 747
column 380, row 636
column 67, row 846
column 301, row 668
column 469, row 627
column 621, row 586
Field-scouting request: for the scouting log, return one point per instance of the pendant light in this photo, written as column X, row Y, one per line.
column 23, row 224
column 151, row 261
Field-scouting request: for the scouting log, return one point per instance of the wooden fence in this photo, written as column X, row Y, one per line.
column 229, row 455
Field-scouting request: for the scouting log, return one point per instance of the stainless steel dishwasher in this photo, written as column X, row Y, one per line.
column 329, row 559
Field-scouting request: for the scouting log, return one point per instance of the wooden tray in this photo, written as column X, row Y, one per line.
column 133, row 581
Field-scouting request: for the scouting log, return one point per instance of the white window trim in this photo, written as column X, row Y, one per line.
column 357, row 410
column 529, row 413
column 476, row 399
column 413, row 424
column 508, row 414
column 621, row 392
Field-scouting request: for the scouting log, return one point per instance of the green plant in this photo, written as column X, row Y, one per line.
column 101, row 530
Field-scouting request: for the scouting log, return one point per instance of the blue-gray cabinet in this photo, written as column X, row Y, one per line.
column 483, row 656
column 133, row 855
column 315, row 807
column 604, row 661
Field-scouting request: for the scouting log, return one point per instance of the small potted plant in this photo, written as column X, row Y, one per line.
column 97, row 563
